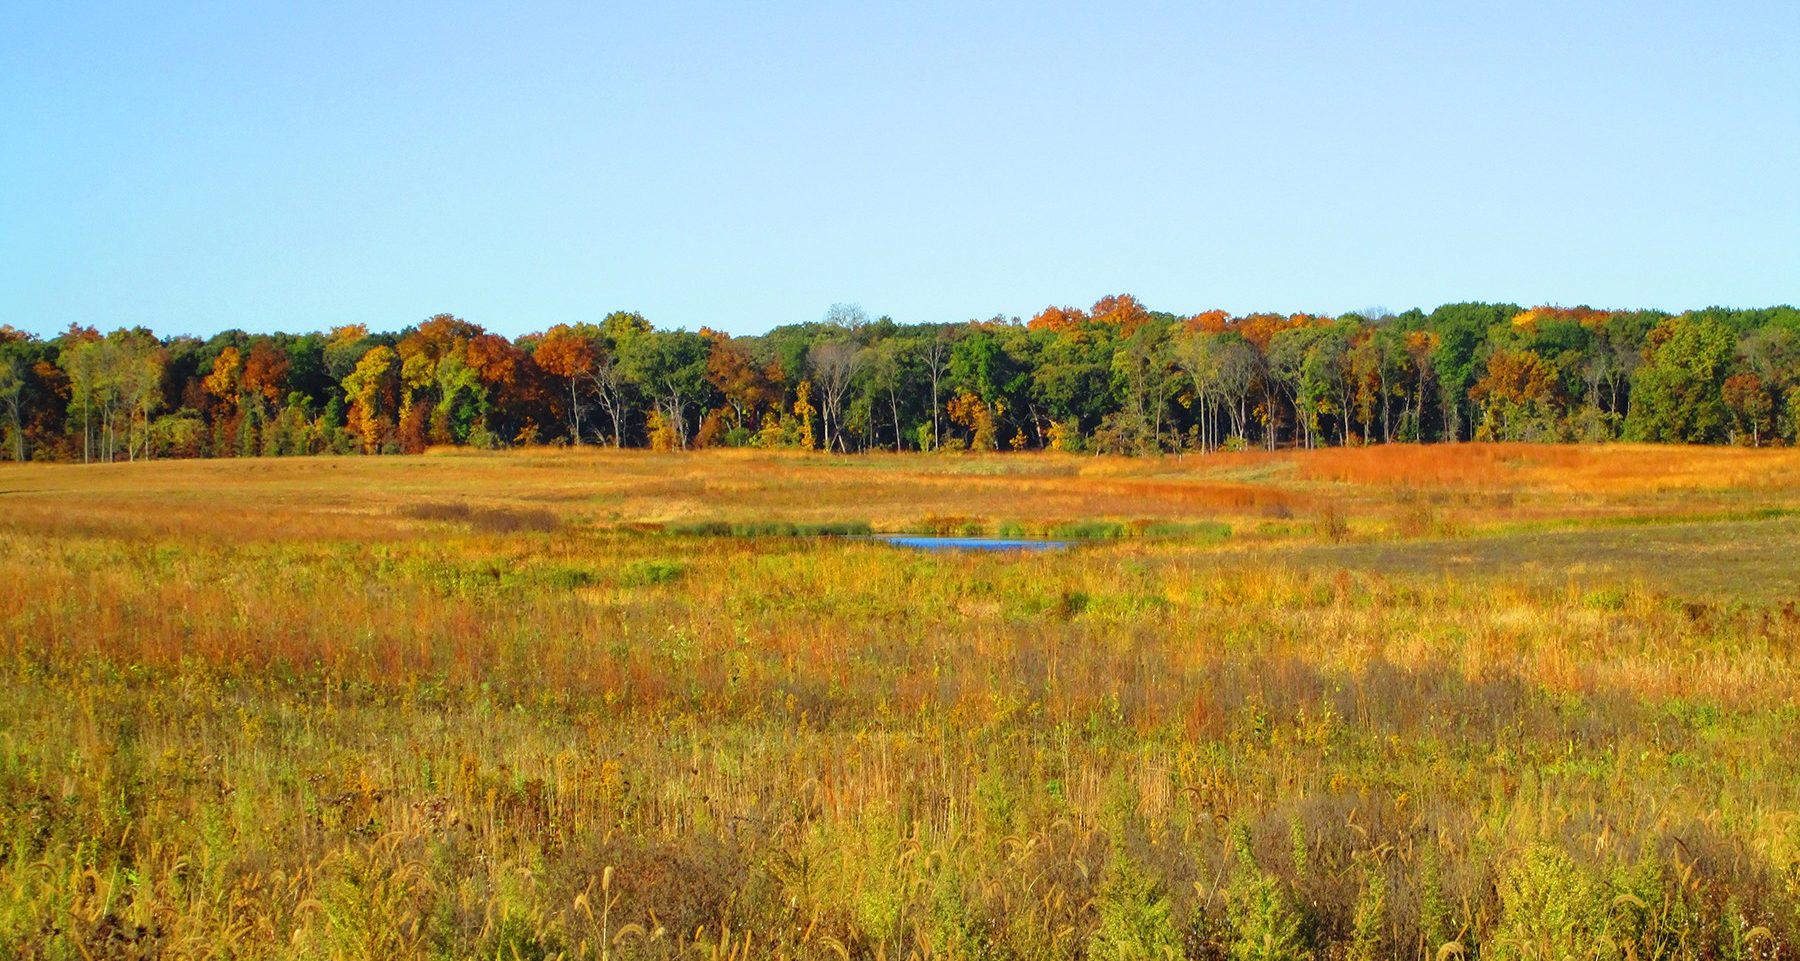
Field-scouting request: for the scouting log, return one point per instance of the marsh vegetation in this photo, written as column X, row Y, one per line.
column 1463, row 701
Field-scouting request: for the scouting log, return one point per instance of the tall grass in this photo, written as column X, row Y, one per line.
column 352, row 728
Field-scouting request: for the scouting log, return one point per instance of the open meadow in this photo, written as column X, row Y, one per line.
column 1495, row 701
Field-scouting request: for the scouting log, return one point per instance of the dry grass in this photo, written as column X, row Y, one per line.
column 489, row 706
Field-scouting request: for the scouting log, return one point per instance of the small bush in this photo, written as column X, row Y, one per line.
column 645, row 573
column 568, row 578
column 836, row 529
column 436, row 512
column 1332, row 524
column 1266, row 925
column 942, row 526
column 369, row 905
column 1136, row 917
column 1090, row 530
column 1070, row 603
column 1417, row 520
column 1604, row 599
column 1550, row 908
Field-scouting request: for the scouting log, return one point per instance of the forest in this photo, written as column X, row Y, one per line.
column 1117, row 377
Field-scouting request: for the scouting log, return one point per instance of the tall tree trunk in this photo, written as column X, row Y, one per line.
column 894, row 403
column 574, row 415
column 937, row 439
column 1387, row 411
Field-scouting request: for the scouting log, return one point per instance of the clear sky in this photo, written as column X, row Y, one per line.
column 195, row 167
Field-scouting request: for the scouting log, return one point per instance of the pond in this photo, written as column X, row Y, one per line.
column 930, row 542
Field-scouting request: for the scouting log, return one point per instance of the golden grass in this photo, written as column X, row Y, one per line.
column 1612, row 469
column 489, row 706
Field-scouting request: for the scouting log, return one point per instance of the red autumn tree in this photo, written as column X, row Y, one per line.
column 567, row 354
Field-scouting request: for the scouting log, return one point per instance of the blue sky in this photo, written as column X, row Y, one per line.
column 195, row 167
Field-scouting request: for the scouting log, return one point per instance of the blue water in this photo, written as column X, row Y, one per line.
column 928, row 542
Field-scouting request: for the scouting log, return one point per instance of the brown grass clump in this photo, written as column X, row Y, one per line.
column 486, row 520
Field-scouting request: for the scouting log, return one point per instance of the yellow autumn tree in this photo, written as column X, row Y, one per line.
column 970, row 412
column 373, row 390
column 223, row 381
column 804, row 409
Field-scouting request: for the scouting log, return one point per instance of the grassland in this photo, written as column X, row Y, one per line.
column 1477, row 701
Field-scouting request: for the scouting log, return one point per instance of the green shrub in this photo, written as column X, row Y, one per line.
column 645, row 573
column 1368, row 935
column 878, row 891
column 1266, row 925
column 955, row 931
column 1090, row 530
column 1604, row 599
column 367, row 906
column 1650, row 916
column 567, row 578
column 1136, row 918
column 700, row 529
column 1550, row 908
column 1434, row 907
column 1202, row 531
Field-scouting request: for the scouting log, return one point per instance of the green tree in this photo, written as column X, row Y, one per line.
column 1677, row 395
column 893, row 371
column 1460, row 332
column 669, row 367
column 15, row 373
column 1311, row 363
column 1072, row 380
column 612, row 387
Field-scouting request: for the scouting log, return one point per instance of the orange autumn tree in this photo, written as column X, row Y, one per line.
column 1209, row 322
column 495, row 359
column 499, row 365
column 1517, row 396
column 1058, row 320
column 445, row 389
column 265, row 372
column 567, row 353
column 1122, row 311
column 749, row 390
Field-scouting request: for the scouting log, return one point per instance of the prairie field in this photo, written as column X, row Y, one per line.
column 1458, row 701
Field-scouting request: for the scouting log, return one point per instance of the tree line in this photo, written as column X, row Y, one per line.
column 1116, row 377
